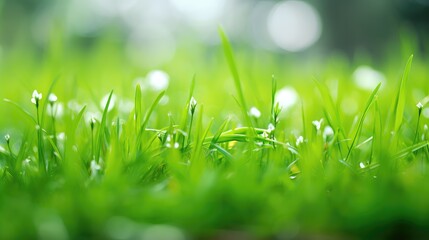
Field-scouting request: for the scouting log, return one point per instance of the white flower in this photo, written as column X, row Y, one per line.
column 92, row 116
column 299, row 140
column 361, row 165
column 52, row 98
column 254, row 112
column 192, row 104
column 36, row 97
column 367, row 78
column 94, row 168
column 271, row 128
column 419, row 105
column 158, row 80
column 317, row 124
column 328, row 132
column 286, row 97
column 7, row 137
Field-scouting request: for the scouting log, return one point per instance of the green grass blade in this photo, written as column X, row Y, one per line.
column 46, row 102
column 233, row 68
column 361, row 120
column 147, row 117
column 101, row 130
column 138, row 106
column 400, row 97
column 28, row 114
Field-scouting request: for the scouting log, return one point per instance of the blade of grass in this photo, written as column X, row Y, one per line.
column 400, row 97
column 233, row 68
column 101, row 132
column 362, row 118
column 147, row 117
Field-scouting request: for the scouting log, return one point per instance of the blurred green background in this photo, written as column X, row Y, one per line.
column 94, row 46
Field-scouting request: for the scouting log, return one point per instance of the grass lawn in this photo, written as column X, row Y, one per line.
column 214, row 146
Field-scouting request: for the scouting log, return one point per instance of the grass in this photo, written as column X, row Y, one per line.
column 193, row 169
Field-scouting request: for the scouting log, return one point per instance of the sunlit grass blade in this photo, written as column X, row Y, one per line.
column 401, row 96
column 28, row 114
column 404, row 152
column 138, row 107
column 46, row 102
column 361, row 120
column 101, row 130
column 147, row 117
column 233, row 68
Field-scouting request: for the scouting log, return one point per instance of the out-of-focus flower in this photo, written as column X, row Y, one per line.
column 36, row 97
column 254, row 112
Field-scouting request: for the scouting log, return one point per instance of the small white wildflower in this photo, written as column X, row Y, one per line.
column 92, row 117
column 271, row 128
column 92, row 122
column 299, row 140
column 419, row 105
column 36, row 97
column 176, row 145
column 26, row 162
column 192, row 105
column 328, row 132
column 158, row 80
column 317, row 124
column 254, row 112
column 7, row 138
column 52, row 98
column 361, row 165
column 94, row 168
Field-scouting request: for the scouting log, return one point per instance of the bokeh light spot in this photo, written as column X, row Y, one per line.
column 294, row 25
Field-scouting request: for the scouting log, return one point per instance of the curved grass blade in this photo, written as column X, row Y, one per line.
column 400, row 97
column 21, row 109
column 147, row 117
column 362, row 118
column 233, row 68
column 101, row 132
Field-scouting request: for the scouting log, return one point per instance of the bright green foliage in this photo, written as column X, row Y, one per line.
column 200, row 166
